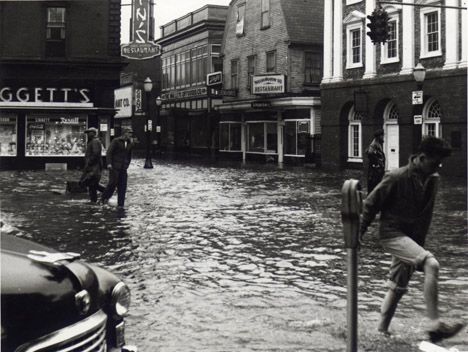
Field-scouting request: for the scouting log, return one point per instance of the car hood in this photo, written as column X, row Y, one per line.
column 38, row 298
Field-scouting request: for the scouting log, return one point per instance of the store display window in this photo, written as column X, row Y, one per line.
column 8, row 130
column 296, row 137
column 230, row 136
column 262, row 137
column 55, row 135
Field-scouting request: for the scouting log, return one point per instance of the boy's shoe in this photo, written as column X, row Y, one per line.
column 444, row 331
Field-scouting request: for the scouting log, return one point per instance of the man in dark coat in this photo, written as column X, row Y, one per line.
column 376, row 156
column 93, row 164
column 119, row 156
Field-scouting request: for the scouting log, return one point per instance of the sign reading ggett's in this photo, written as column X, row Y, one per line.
column 44, row 95
column 141, row 47
column 268, row 84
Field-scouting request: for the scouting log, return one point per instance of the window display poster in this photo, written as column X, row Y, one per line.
column 8, row 135
column 55, row 135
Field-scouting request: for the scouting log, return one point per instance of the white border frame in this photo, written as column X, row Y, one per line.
column 352, row 158
column 384, row 59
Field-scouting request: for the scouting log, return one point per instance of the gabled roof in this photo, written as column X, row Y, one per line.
column 304, row 20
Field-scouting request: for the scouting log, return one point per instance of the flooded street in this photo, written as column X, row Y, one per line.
column 232, row 258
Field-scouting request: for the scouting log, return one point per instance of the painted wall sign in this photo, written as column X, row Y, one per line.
column 188, row 93
column 141, row 47
column 45, row 95
column 268, row 84
column 123, row 101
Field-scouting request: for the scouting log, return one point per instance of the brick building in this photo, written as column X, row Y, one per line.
column 366, row 87
column 191, row 48
column 59, row 66
column 272, row 59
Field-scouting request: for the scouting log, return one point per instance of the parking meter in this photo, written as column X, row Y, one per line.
column 350, row 211
column 350, row 216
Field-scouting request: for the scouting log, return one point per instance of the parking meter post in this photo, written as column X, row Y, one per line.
column 350, row 212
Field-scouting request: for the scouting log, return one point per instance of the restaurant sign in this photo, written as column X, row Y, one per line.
column 268, row 84
column 141, row 48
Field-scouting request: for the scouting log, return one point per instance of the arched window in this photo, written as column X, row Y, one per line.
column 354, row 136
column 432, row 114
column 391, row 113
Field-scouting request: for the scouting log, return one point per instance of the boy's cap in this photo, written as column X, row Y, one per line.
column 91, row 129
column 379, row 132
column 434, row 146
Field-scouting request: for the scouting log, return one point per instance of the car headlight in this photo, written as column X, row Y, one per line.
column 121, row 299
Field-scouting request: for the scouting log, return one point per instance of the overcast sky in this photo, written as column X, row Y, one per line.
column 166, row 11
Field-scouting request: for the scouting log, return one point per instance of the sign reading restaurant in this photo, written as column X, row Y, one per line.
column 268, row 84
column 141, row 47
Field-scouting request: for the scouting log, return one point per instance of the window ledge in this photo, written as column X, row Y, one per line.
column 431, row 54
column 262, row 28
column 389, row 61
column 348, row 67
column 354, row 160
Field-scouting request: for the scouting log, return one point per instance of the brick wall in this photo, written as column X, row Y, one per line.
column 448, row 87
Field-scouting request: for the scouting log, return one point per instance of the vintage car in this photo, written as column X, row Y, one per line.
column 51, row 301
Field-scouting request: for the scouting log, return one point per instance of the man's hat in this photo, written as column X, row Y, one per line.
column 379, row 132
column 433, row 146
column 92, row 129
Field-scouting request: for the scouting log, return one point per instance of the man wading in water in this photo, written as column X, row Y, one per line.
column 405, row 198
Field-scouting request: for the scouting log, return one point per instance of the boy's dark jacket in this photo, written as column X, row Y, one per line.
column 119, row 156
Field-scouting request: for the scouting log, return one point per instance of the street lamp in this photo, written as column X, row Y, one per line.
column 148, row 86
column 157, row 123
column 419, row 74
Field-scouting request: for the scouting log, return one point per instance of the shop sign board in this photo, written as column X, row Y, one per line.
column 417, row 97
column 228, row 92
column 418, row 119
column 268, row 84
column 261, row 104
column 187, row 93
column 214, row 79
column 123, row 101
column 45, row 95
column 141, row 48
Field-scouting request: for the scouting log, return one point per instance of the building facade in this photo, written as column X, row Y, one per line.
column 367, row 87
column 54, row 80
column 272, row 58
column 191, row 47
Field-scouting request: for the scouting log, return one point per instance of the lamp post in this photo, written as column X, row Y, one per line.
column 419, row 74
column 158, row 123
column 148, row 86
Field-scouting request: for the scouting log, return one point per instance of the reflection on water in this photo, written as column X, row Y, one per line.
column 238, row 258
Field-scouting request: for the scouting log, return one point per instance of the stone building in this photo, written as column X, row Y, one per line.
column 367, row 87
column 59, row 65
column 272, row 60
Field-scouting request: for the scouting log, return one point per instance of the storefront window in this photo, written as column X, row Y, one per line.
column 256, row 140
column 55, row 135
column 230, row 136
column 262, row 137
column 296, row 137
column 7, row 135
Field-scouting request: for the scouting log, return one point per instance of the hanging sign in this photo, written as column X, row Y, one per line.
column 268, row 84
column 141, row 48
column 418, row 119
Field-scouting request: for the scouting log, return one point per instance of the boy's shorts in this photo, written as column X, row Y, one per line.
column 407, row 256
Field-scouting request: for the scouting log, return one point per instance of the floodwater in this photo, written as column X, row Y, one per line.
column 240, row 258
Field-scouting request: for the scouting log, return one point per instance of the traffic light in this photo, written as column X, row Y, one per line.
column 378, row 26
